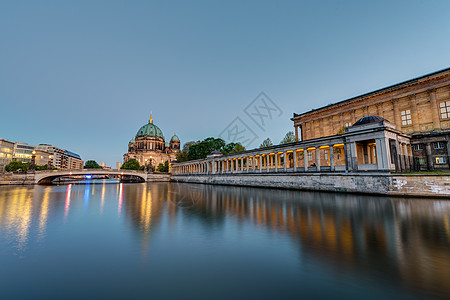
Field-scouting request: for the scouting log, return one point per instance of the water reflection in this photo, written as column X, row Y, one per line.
column 402, row 241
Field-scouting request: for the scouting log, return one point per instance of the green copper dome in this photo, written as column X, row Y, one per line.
column 132, row 141
column 150, row 130
column 175, row 138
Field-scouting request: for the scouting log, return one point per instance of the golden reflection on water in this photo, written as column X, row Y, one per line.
column 15, row 215
column 345, row 231
column 44, row 212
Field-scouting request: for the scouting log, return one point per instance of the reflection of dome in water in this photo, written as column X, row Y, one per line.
column 368, row 120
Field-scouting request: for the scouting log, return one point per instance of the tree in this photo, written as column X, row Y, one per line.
column 266, row 143
column 91, row 164
column 202, row 149
column 163, row 167
column 289, row 138
column 183, row 155
column 16, row 165
column 237, row 148
column 131, row 164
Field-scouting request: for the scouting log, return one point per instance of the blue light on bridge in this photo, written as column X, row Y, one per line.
column 88, row 176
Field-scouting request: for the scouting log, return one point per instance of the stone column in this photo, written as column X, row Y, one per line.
column 406, row 156
column 353, row 162
column 260, row 163
column 331, row 153
column 434, row 109
column 268, row 162
column 296, row 131
column 305, row 159
column 397, row 117
column 414, row 113
column 294, row 158
column 380, row 147
column 275, row 158
column 318, row 159
column 286, row 155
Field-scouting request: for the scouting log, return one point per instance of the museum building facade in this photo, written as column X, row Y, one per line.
column 418, row 108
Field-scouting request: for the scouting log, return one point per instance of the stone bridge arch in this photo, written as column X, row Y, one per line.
column 46, row 177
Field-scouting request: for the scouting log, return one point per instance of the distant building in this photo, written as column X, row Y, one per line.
column 74, row 160
column 103, row 165
column 148, row 147
column 118, row 165
column 60, row 158
column 6, row 153
column 42, row 158
column 22, row 152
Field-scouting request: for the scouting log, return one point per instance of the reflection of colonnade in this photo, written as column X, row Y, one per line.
column 346, row 231
column 374, row 145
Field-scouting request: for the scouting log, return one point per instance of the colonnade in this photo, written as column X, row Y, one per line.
column 369, row 147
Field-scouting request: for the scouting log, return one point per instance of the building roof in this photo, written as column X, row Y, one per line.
column 368, row 120
column 391, row 87
column 72, row 154
column 175, row 138
column 150, row 130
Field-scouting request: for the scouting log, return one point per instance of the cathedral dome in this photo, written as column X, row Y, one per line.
column 175, row 138
column 150, row 130
column 132, row 141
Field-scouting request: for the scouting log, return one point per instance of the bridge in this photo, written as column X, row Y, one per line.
column 47, row 176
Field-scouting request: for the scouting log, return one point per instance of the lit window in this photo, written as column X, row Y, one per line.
column 444, row 108
column 441, row 160
column 325, row 152
column 348, row 124
column 310, row 156
column 406, row 117
column 418, row 147
column 439, row 145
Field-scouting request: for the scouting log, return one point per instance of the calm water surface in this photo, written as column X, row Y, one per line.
column 186, row 241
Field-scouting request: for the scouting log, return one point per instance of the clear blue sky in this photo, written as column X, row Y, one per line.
column 84, row 75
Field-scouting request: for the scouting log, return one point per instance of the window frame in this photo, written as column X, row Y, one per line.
column 406, row 118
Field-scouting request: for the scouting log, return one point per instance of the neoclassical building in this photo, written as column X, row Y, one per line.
column 149, row 147
column 419, row 107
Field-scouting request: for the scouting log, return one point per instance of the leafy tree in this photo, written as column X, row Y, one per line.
column 91, row 164
column 41, row 168
column 237, row 148
column 163, row 167
column 266, row 143
column 289, row 138
column 183, row 155
column 17, row 165
column 205, row 147
column 131, row 164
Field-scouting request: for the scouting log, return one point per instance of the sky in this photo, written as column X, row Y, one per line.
column 85, row 75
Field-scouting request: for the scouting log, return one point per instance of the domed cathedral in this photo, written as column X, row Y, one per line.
column 149, row 147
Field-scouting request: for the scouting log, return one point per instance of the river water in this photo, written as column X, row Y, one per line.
column 192, row 241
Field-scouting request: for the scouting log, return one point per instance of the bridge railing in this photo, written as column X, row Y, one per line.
column 92, row 170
